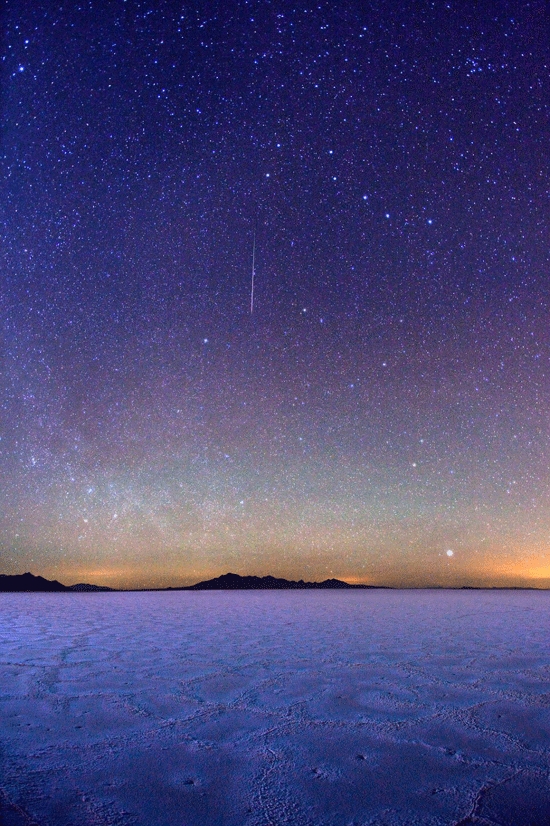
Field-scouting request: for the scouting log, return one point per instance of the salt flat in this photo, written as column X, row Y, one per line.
column 266, row 708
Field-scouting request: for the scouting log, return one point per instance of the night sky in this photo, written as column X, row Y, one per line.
column 383, row 414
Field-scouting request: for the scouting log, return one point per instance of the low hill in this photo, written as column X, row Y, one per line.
column 234, row 582
column 29, row 582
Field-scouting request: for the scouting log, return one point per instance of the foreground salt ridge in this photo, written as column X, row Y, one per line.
column 275, row 708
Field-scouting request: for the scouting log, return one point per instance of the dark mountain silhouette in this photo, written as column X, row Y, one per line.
column 226, row 582
column 29, row 582
column 234, row 582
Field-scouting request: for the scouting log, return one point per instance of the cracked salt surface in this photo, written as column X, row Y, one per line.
column 267, row 708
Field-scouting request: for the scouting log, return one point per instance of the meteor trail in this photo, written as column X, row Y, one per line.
column 253, row 262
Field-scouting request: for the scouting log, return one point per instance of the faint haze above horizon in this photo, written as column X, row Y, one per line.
column 379, row 412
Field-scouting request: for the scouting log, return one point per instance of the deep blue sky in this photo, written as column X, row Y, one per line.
column 387, row 401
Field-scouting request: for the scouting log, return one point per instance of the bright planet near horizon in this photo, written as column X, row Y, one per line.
column 275, row 293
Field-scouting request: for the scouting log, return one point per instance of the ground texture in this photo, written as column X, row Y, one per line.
column 260, row 709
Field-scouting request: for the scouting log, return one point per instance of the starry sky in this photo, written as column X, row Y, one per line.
column 382, row 415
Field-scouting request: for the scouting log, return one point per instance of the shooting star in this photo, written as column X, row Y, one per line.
column 253, row 273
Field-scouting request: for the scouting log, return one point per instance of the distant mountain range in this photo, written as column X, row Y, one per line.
column 29, row 582
column 226, row 582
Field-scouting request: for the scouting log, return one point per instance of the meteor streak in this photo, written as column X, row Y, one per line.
column 253, row 273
